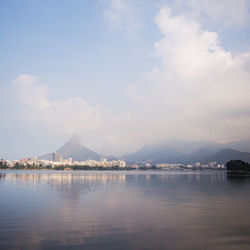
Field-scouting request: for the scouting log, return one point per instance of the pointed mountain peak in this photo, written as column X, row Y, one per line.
column 74, row 149
column 75, row 140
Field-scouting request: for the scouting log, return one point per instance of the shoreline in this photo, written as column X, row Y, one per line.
column 132, row 169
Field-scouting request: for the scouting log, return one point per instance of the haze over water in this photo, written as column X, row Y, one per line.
column 123, row 210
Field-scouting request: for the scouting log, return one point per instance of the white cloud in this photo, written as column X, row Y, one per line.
column 31, row 93
column 223, row 12
column 199, row 91
column 99, row 128
column 122, row 14
column 63, row 117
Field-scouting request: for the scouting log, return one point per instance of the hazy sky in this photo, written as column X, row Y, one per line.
column 122, row 73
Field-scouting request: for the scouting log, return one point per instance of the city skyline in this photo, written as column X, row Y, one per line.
column 122, row 73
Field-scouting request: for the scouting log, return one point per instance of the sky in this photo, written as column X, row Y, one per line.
column 122, row 73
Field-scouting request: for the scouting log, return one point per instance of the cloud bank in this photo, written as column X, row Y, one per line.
column 64, row 117
column 198, row 90
column 224, row 12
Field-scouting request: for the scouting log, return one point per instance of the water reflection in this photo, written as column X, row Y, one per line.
column 123, row 210
column 61, row 178
column 239, row 179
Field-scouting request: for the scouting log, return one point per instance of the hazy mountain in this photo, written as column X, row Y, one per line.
column 226, row 155
column 174, row 150
column 152, row 153
column 187, row 151
column 243, row 145
column 74, row 149
column 197, row 156
column 190, row 146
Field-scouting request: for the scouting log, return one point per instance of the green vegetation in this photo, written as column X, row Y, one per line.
column 238, row 167
column 31, row 166
column 3, row 165
column 148, row 168
column 19, row 166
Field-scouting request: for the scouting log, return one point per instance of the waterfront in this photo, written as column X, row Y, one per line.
column 123, row 210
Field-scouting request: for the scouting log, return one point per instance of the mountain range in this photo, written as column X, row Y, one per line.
column 173, row 150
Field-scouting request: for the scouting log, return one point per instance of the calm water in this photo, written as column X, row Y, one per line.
column 123, row 210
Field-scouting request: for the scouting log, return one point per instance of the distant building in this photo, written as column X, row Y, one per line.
column 55, row 157
column 122, row 164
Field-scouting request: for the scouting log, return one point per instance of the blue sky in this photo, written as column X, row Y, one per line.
column 111, row 71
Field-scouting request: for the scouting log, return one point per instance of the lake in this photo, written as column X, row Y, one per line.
column 123, row 210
